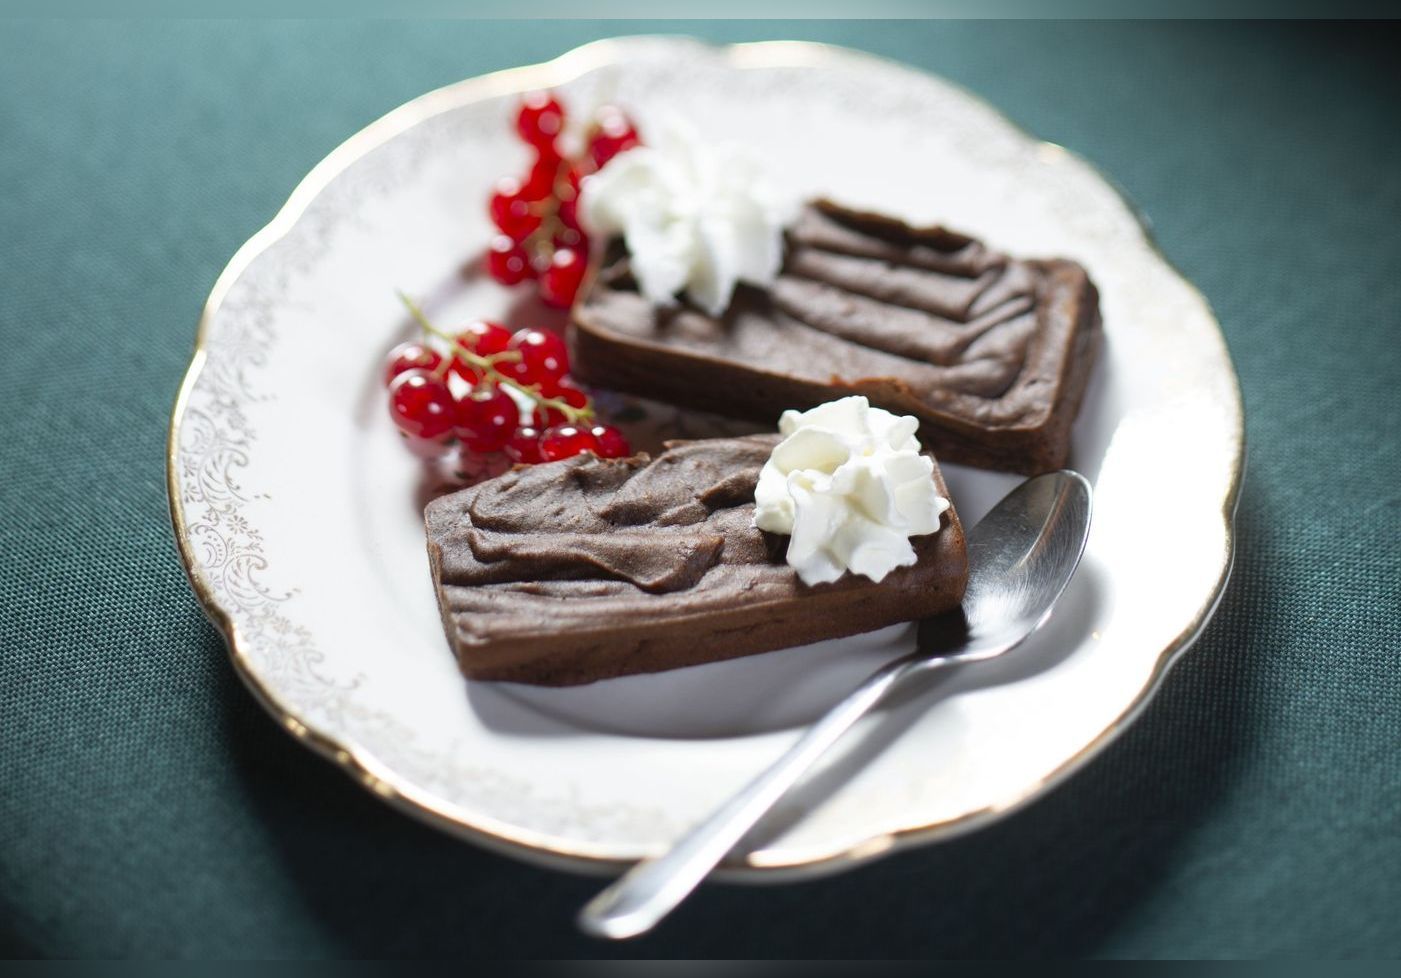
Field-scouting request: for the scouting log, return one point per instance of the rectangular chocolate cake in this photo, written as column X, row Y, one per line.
column 588, row 568
column 991, row 353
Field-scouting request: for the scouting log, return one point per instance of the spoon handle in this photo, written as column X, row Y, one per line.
column 646, row 893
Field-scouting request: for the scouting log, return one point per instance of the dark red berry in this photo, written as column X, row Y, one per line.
column 421, row 405
column 539, row 183
column 483, row 337
column 562, row 390
column 615, row 134
column 410, row 356
column 566, row 441
column 486, row 418
column 512, row 211
column 541, row 119
column 568, row 215
column 544, row 357
column 565, row 385
column 524, row 446
column 461, row 368
column 507, row 262
column 559, row 283
column 611, row 442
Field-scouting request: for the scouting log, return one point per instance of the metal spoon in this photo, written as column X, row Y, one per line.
column 1021, row 556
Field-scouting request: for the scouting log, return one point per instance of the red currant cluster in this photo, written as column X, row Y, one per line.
column 538, row 214
column 496, row 391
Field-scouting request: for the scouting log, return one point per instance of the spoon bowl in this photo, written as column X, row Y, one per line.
column 1021, row 557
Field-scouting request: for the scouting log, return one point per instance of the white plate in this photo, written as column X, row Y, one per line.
column 298, row 510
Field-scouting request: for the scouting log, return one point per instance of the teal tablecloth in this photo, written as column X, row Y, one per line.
column 147, row 806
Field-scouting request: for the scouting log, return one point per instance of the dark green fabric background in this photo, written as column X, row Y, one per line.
column 147, row 806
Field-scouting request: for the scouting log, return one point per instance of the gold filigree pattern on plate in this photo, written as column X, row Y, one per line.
column 214, row 509
column 280, row 657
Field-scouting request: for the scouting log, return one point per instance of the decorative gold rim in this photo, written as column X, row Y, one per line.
column 512, row 840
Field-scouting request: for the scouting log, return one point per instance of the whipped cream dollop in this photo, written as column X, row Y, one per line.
column 697, row 217
column 850, row 487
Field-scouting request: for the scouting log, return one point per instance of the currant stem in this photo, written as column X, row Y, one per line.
column 420, row 318
column 535, row 243
column 570, row 412
column 487, row 365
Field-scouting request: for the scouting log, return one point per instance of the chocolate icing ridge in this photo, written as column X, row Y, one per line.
column 649, row 522
column 954, row 311
column 991, row 352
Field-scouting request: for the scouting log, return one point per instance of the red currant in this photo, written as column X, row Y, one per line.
column 544, row 357
column 410, row 356
column 523, row 446
column 483, row 337
column 568, row 215
column 512, row 211
column 541, row 119
column 540, row 182
column 611, row 442
column 507, row 262
column 559, row 283
column 461, row 368
column 566, row 441
column 563, row 390
column 421, row 405
column 486, row 418
column 615, row 134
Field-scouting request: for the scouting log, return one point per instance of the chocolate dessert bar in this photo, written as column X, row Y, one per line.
column 586, row 568
column 991, row 353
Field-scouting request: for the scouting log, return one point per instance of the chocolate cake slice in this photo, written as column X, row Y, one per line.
column 587, row 568
column 991, row 353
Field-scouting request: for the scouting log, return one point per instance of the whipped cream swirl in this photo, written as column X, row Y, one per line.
column 850, row 486
column 696, row 217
